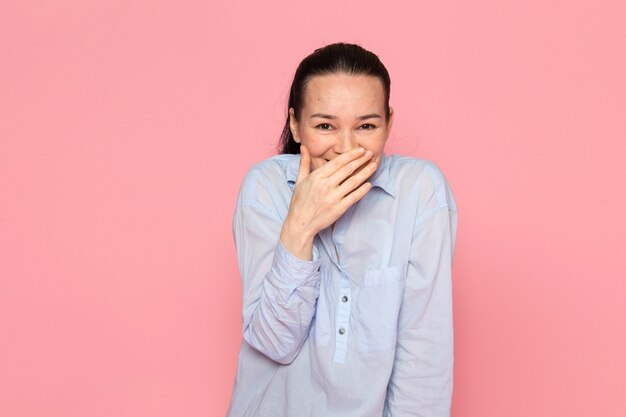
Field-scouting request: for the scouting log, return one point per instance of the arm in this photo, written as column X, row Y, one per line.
column 422, row 376
column 279, row 289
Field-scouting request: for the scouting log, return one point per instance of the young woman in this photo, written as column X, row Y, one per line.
column 345, row 256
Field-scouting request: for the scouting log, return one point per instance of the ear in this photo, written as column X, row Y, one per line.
column 389, row 122
column 293, row 124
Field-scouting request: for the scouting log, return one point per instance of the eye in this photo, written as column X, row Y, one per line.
column 371, row 126
column 323, row 124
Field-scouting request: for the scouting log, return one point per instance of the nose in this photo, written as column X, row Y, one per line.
column 345, row 142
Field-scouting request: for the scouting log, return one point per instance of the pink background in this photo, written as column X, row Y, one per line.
column 126, row 128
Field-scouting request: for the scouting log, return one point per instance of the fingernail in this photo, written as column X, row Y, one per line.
column 361, row 149
column 372, row 165
column 368, row 153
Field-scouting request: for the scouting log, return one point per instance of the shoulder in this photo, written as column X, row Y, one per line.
column 421, row 176
column 273, row 168
column 266, row 178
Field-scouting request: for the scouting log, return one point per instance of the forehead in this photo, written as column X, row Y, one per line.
column 343, row 93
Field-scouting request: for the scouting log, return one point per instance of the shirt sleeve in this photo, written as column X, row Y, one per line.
column 422, row 375
column 280, row 290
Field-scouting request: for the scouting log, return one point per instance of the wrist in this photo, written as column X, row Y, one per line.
column 297, row 239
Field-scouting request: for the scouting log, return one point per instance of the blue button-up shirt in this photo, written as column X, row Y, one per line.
column 364, row 329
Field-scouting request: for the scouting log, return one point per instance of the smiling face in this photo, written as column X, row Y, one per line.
column 341, row 112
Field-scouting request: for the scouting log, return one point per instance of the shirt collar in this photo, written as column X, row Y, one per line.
column 380, row 178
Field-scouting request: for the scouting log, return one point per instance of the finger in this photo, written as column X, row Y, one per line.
column 352, row 167
column 305, row 164
column 354, row 196
column 333, row 165
column 357, row 179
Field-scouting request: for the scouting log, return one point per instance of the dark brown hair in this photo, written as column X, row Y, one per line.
column 331, row 59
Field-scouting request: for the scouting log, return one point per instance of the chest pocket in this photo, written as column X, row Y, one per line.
column 378, row 306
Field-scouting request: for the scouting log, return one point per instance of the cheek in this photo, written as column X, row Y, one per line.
column 317, row 147
column 377, row 147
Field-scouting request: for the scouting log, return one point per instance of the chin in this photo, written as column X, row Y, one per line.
column 318, row 162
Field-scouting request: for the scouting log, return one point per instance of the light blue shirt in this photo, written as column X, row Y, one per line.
column 364, row 329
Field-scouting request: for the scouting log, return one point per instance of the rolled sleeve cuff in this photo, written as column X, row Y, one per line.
column 294, row 272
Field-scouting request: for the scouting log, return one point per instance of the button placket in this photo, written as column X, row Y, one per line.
column 343, row 320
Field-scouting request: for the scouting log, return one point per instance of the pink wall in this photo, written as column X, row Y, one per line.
column 126, row 128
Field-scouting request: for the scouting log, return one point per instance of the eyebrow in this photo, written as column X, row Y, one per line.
column 329, row 116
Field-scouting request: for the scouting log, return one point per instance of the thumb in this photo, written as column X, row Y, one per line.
column 305, row 163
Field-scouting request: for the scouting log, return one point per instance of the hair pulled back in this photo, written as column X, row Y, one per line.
column 335, row 58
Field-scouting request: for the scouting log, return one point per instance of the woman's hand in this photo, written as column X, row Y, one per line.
column 322, row 196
